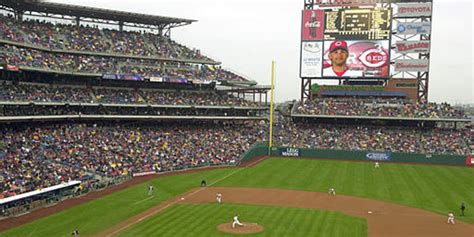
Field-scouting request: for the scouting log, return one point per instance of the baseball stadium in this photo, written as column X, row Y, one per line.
column 112, row 127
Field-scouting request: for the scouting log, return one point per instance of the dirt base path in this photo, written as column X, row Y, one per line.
column 385, row 219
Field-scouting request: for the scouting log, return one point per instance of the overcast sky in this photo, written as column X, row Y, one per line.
column 246, row 35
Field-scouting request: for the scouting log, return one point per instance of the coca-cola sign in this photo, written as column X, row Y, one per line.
column 313, row 24
column 412, row 65
column 413, row 9
column 405, row 47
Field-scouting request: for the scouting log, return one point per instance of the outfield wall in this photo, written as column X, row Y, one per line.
column 261, row 149
column 258, row 149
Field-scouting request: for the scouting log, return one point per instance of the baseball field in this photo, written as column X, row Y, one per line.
column 286, row 197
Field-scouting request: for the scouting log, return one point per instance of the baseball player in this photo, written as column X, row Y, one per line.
column 75, row 233
column 450, row 218
column 219, row 198
column 236, row 221
column 338, row 54
column 150, row 190
column 377, row 165
column 332, row 191
column 463, row 207
column 203, row 183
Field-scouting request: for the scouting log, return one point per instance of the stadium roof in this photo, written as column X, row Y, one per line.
column 92, row 12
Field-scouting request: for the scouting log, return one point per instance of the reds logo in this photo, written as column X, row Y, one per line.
column 374, row 57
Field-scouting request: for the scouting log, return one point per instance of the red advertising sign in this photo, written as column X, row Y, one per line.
column 414, row 9
column 470, row 161
column 405, row 47
column 13, row 68
column 412, row 65
column 312, row 25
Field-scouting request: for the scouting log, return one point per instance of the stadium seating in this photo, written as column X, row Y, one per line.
column 43, row 156
column 71, row 49
column 10, row 92
column 84, row 38
column 376, row 107
column 374, row 138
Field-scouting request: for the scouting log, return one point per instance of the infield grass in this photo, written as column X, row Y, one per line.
column 202, row 220
column 435, row 188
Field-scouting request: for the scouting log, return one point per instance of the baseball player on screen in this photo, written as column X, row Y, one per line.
column 338, row 54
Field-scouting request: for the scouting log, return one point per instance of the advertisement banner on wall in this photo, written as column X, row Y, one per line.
column 156, row 79
column 13, row 68
column 405, row 47
column 311, row 59
column 380, row 156
column 130, row 77
column 413, row 9
column 109, row 76
column 312, row 25
column 411, row 65
column 294, row 152
column 413, row 28
column 470, row 161
column 364, row 59
column 176, row 80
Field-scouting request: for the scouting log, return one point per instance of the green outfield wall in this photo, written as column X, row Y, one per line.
column 261, row 149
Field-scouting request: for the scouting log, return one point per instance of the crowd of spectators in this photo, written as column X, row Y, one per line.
column 34, row 157
column 374, row 138
column 92, row 39
column 74, row 63
column 83, row 110
column 37, row 93
column 376, row 107
column 38, row 157
column 81, row 94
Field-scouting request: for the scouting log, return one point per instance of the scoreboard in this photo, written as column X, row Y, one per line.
column 357, row 24
column 378, row 40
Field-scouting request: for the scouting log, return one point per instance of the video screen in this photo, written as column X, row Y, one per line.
column 357, row 24
column 366, row 59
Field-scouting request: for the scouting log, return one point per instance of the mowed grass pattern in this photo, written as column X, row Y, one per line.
column 435, row 188
column 202, row 220
column 100, row 214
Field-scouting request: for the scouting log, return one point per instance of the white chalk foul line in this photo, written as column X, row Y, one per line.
column 148, row 198
column 177, row 200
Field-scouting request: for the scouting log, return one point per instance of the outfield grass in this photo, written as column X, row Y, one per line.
column 434, row 188
column 202, row 220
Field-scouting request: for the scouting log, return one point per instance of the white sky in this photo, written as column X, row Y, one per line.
column 246, row 35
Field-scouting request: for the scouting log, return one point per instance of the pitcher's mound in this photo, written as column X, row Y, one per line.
column 248, row 228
